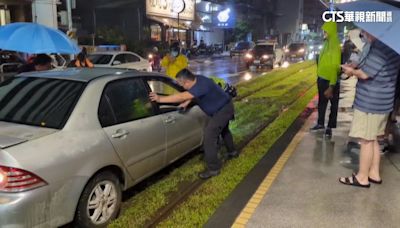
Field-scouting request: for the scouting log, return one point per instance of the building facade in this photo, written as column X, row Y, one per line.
column 39, row 11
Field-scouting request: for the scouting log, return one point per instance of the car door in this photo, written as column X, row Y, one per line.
column 119, row 61
column 184, row 131
column 132, row 126
column 135, row 62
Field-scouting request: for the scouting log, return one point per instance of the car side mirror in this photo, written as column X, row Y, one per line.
column 116, row 62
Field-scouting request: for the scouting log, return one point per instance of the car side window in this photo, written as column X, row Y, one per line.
column 165, row 87
column 131, row 58
column 120, row 58
column 128, row 101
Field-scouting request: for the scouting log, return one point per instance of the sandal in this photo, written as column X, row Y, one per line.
column 374, row 181
column 354, row 182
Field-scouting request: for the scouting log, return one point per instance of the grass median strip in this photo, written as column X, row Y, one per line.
column 200, row 206
column 252, row 113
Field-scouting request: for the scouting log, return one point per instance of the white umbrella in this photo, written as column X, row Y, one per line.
column 354, row 36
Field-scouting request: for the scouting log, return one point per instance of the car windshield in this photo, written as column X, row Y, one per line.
column 39, row 102
column 100, row 58
column 269, row 49
column 242, row 45
column 295, row 47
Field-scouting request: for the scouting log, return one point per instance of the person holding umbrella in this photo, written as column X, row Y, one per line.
column 377, row 74
column 40, row 62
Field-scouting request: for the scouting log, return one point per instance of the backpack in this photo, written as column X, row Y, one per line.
column 228, row 88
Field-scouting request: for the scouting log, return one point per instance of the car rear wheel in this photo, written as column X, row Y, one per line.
column 100, row 201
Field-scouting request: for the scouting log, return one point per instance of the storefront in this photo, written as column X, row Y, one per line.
column 171, row 20
column 207, row 32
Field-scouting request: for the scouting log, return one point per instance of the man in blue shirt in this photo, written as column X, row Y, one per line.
column 217, row 105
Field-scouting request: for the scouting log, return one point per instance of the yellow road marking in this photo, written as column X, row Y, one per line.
column 251, row 206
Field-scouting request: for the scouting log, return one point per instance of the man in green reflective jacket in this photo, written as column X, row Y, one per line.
column 328, row 72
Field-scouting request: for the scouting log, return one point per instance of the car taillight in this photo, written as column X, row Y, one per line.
column 18, row 180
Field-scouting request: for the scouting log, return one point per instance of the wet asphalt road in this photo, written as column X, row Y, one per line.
column 232, row 70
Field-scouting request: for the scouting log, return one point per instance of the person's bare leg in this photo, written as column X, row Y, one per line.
column 374, row 170
column 366, row 155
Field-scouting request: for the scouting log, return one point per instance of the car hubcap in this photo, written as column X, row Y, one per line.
column 102, row 202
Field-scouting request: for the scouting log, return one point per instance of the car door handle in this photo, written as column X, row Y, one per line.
column 120, row 134
column 169, row 120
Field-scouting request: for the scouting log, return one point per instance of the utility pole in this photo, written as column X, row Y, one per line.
column 69, row 12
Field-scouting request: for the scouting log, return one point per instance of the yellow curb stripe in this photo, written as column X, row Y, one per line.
column 251, row 206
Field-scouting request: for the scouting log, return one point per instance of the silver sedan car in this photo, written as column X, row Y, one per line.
column 72, row 140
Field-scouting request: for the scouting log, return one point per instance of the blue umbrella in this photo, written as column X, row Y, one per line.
column 34, row 39
column 387, row 32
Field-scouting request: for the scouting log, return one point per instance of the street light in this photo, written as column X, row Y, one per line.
column 178, row 6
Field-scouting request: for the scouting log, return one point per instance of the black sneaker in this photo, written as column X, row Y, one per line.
column 208, row 173
column 317, row 128
column 328, row 132
column 232, row 155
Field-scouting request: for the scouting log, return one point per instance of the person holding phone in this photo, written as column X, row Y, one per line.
column 375, row 91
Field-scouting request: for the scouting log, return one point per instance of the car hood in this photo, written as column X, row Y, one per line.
column 12, row 134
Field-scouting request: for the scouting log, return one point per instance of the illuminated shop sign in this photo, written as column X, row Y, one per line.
column 225, row 18
column 170, row 8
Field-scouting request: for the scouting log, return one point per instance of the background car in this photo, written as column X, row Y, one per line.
column 10, row 62
column 261, row 55
column 120, row 59
column 296, row 51
column 241, row 47
column 72, row 140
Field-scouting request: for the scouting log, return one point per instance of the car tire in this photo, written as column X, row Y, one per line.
column 85, row 216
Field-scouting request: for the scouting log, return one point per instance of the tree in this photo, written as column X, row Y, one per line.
column 242, row 29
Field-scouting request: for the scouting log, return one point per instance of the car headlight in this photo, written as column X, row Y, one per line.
column 320, row 47
column 286, row 50
column 265, row 57
column 249, row 56
column 311, row 47
column 150, row 56
column 301, row 50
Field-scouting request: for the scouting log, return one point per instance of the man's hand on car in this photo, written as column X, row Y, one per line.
column 154, row 97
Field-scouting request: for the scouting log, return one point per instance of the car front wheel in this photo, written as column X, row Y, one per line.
column 100, row 201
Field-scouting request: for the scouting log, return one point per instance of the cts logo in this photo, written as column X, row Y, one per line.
column 335, row 16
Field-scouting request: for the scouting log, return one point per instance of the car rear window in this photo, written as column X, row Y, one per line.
column 242, row 45
column 100, row 58
column 39, row 102
column 264, row 49
column 296, row 46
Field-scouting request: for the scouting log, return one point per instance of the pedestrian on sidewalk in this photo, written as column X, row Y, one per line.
column 328, row 71
column 375, row 91
column 219, row 108
column 174, row 61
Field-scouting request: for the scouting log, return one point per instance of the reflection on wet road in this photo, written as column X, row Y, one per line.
column 232, row 70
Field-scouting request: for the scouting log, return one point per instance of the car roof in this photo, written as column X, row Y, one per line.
column 112, row 53
column 265, row 44
column 85, row 74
